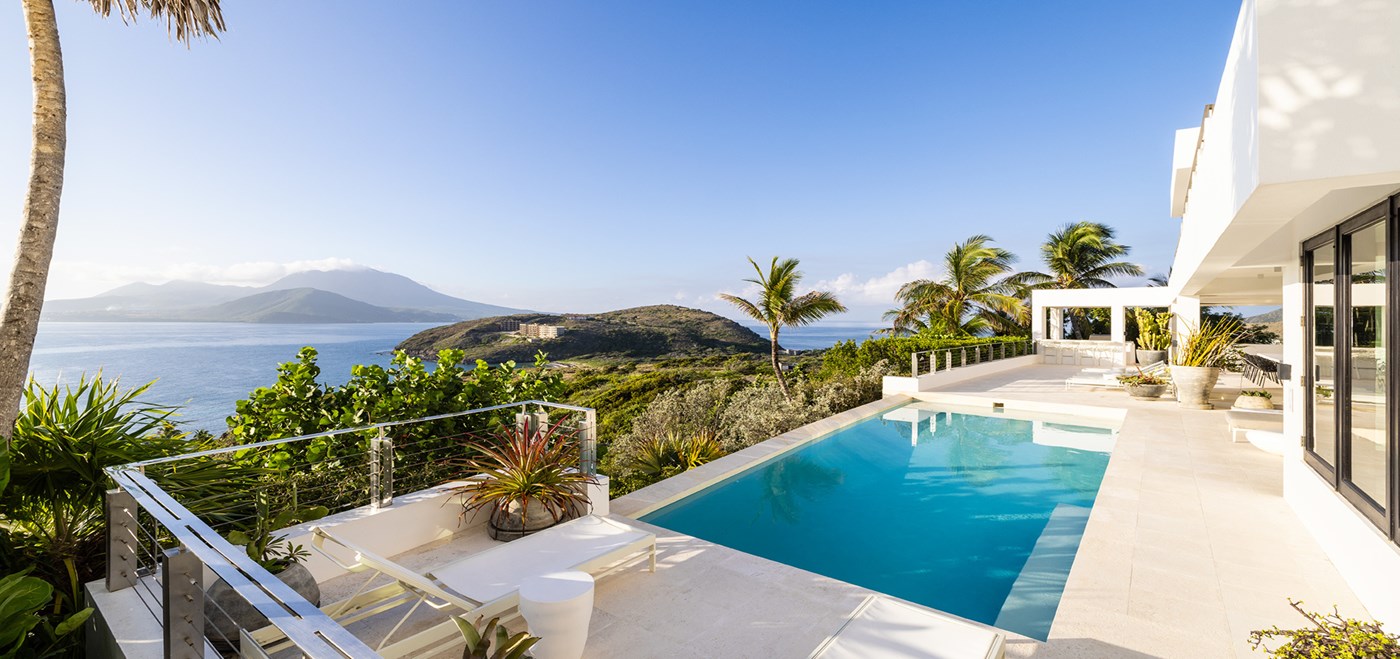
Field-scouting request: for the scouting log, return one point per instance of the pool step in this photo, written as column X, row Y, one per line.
column 1030, row 607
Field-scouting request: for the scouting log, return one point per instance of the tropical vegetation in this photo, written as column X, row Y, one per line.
column 1153, row 329
column 780, row 306
column 493, row 641
column 186, row 20
column 528, row 465
column 1327, row 635
column 1080, row 255
column 52, row 528
column 1208, row 344
column 974, row 297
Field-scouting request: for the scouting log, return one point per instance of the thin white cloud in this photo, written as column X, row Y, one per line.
column 880, row 289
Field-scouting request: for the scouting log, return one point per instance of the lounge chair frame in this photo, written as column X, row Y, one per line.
column 409, row 587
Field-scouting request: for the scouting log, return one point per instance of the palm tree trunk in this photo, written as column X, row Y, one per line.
column 777, row 367
column 19, row 321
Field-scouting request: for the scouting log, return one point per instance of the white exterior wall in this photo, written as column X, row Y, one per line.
column 1227, row 167
column 1328, row 89
column 1305, row 133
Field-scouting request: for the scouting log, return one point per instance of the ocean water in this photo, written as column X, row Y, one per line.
column 206, row 367
column 817, row 337
column 974, row 514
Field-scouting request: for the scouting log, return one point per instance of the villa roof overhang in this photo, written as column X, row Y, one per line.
column 1079, row 298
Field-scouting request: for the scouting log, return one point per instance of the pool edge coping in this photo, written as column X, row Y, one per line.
column 656, row 496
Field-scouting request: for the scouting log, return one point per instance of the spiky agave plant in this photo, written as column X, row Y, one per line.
column 664, row 456
column 525, row 467
column 1209, row 345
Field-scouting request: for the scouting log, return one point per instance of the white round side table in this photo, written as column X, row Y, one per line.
column 557, row 607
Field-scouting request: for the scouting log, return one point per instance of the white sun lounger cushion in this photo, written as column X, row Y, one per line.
column 884, row 628
column 587, row 543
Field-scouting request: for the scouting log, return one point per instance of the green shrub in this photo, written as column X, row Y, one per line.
column 1154, row 329
column 24, row 630
column 51, row 511
column 735, row 415
column 1330, row 637
column 848, row 358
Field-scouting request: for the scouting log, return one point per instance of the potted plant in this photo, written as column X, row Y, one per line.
column 1197, row 362
column 1144, row 386
column 1154, row 335
column 226, row 610
column 528, row 480
column 1255, row 399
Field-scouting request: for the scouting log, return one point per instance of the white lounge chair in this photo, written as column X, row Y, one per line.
column 885, row 628
column 484, row 584
column 1108, row 377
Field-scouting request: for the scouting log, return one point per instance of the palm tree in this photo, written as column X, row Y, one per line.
column 19, row 321
column 779, row 305
column 1080, row 255
column 973, row 297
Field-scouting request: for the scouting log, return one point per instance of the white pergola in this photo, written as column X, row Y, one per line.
column 1186, row 310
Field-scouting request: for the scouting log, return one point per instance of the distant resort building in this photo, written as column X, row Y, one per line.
column 539, row 331
column 508, row 325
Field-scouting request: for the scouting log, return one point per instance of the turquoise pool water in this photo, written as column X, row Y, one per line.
column 973, row 513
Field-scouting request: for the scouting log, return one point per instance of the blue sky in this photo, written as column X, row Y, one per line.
column 595, row 155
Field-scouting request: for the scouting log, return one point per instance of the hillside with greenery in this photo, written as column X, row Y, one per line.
column 654, row 332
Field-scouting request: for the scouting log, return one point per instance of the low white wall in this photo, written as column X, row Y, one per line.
column 893, row 385
column 1367, row 559
column 413, row 520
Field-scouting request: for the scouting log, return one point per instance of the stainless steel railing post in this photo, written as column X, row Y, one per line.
column 588, row 447
column 381, row 471
column 182, row 604
column 121, row 540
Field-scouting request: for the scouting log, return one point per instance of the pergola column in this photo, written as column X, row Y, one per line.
column 1186, row 316
column 1118, row 323
column 1057, row 324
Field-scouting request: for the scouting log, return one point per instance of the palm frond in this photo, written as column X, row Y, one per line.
column 185, row 20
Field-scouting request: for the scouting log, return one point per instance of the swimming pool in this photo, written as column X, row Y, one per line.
column 970, row 511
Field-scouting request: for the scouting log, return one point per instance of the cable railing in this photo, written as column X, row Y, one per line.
column 169, row 519
column 945, row 359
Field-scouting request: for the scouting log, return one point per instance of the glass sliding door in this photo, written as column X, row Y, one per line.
column 1367, row 420
column 1322, row 405
column 1352, row 307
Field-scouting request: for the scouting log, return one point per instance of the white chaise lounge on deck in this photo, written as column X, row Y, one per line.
column 885, row 628
column 483, row 584
column 1108, row 377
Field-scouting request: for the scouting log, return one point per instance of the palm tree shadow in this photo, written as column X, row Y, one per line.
column 791, row 481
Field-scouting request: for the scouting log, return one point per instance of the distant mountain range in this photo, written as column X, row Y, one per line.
column 318, row 296
column 1274, row 316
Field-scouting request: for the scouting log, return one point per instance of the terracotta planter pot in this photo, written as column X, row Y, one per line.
column 1145, row 391
column 1194, row 385
column 1254, row 403
column 225, row 611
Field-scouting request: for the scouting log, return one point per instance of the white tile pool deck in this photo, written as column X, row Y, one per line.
column 1189, row 547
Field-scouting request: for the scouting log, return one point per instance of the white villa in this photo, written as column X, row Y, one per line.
column 1288, row 193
